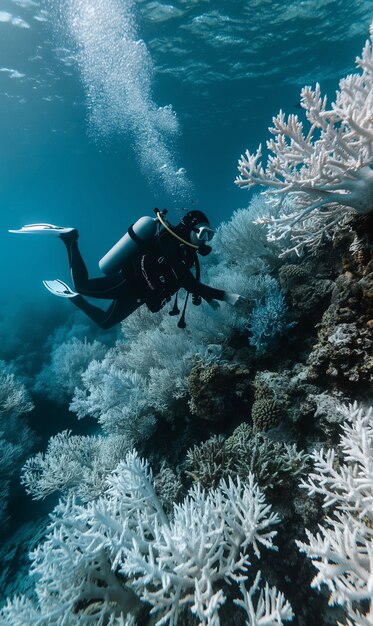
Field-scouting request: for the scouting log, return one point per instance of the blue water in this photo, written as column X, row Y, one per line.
column 82, row 141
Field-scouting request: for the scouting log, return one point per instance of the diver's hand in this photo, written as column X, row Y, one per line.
column 234, row 298
column 214, row 304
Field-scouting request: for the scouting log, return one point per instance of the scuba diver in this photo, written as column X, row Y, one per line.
column 149, row 264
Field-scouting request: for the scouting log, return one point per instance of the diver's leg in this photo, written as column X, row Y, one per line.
column 106, row 287
column 117, row 311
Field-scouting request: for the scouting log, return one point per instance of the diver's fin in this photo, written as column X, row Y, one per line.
column 59, row 288
column 47, row 229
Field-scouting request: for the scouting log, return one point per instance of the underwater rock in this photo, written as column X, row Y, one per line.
column 306, row 292
column 218, row 390
column 343, row 353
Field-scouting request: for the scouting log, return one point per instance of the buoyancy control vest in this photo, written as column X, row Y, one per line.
column 157, row 269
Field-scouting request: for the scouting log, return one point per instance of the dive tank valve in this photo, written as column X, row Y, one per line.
column 138, row 235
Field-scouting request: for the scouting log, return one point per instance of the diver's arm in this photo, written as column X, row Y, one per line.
column 190, row 283
column 205, row 291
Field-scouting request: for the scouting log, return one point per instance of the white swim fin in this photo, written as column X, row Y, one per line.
column 59, row 288
column 40, row 229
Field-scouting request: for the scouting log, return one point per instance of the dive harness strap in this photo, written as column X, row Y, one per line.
column 135, row 237
column 196, row 299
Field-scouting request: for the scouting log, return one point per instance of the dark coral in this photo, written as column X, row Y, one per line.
column 343, row 353
column 265, row 414
column 219, row 391
column 273, row 463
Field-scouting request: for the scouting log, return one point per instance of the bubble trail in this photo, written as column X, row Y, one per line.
column 117, row 73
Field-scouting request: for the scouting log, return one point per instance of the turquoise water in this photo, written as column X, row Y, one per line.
column 83, row 139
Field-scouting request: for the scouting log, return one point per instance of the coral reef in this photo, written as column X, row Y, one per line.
column 273, row 463
column 341, row 551
column 102, row 558
column 218, row 391
column 343, row 354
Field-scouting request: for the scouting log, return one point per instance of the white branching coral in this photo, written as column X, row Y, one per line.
column 116, row 396
column 271, row 609
column 75, row 463
column 324, row 172
column 100, row 559
column 241, row 241
column 68, row 361
column 342, row 551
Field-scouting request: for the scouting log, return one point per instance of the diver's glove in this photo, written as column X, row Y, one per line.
column 234, row 298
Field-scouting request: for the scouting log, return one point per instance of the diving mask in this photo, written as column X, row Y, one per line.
column 201, row 233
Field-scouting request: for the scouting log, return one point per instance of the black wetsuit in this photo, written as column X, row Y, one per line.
column 152, row 278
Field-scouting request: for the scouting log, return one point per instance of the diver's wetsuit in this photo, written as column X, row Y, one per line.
column 152, row 278
column 116, row 288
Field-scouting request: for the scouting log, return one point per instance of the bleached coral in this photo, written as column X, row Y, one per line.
column 342, row 550
column 267, row 320
column 74, row 463
column 101, row 555
column 271, row 609
column 14, row 397
column 324, row 172
column 68, row 360
column 116, row 397
column 242, row 242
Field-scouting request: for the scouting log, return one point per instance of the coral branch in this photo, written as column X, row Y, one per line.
column 329, row 166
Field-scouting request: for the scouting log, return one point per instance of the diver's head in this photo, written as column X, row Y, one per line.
column 195, row 226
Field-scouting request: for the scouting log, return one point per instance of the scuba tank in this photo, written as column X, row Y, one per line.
column 137, row 236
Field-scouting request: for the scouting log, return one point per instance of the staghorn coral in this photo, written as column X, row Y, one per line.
column 323, row 172
column 108, row 554
column 342, row 549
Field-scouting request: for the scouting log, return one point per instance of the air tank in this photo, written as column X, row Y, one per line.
column 137, row 236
